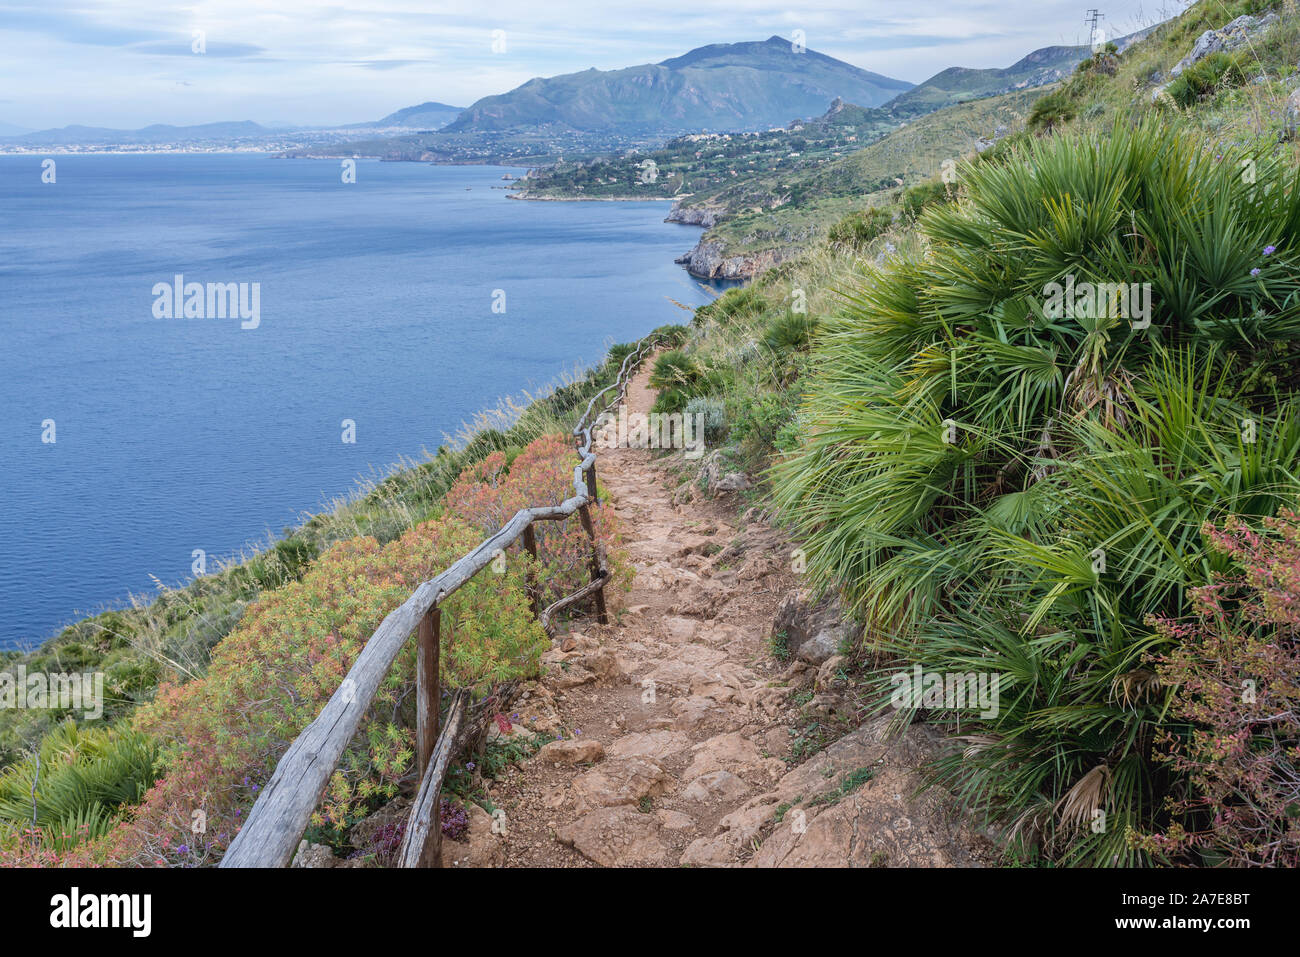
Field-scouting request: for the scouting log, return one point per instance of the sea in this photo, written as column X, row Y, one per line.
column 199, row 350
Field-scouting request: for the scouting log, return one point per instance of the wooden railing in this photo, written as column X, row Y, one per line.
column 270, row 836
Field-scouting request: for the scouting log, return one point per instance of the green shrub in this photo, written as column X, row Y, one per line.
column 1206, row 77
column 858, row 228
column 790, row 332
column 919, row 197
column 1002, row 488
column 715, row 418
column 674, row 370
column 733, row 304
column 1051, row 111
column 674, row 336
column 765, row 422
column 75, row 792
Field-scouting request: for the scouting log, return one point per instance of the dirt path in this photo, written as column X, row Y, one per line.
column 675, row 718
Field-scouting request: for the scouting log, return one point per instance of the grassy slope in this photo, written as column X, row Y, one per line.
column 962, row 84
column 773, row 211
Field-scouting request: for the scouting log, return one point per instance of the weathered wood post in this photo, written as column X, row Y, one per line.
column 530, row 543
column 427, row 691
column 590, row 529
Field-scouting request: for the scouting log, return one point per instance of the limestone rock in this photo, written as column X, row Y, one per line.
column 828, row 675
column 615, row 835
column 314, row 855
column 715, row 786
column 877, row 822
column 734, row 753
column 1291, row 119
column 573, row 751
column 732, row 482
column 1226, row 38
column 814, row 630
column 655, row 745
column 620, row 781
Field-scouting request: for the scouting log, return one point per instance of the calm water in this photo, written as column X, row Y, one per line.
column 376, row 305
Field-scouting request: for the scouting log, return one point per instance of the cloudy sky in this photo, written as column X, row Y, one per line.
column 128, row 63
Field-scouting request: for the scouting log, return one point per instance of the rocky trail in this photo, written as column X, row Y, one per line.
column 676, row 723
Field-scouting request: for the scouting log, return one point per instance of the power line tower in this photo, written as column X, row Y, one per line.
column 1091, row 18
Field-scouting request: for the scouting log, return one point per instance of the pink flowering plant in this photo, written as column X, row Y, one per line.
column 1235, row 703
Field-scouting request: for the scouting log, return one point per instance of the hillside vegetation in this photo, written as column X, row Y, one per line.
column 1092, row 503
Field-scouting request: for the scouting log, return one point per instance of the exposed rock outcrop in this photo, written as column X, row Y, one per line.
column 1226, row 38
column 853, row 805
column 709, row 260
column 706, row 216
column 1291, row 121
column 813, row 630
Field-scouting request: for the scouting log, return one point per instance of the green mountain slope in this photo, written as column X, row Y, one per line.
column 721, row 87
column 958, row 84
column 764, row 219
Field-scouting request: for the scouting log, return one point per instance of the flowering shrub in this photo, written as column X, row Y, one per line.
column 221, row 736
column 489, row 493
column 1236, row 680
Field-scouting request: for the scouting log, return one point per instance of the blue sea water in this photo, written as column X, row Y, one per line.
column 376, row 305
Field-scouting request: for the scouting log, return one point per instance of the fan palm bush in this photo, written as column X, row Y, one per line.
column 1009, row 459
column 72, row 791
column 858, row 228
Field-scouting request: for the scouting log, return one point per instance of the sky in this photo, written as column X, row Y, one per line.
column 130, row 63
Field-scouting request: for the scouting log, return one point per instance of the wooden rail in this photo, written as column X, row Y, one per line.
column 270, row 836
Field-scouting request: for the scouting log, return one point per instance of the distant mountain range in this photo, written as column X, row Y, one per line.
column 720, row 87
column 425, row 116
column 157, row 134
column 958, row 84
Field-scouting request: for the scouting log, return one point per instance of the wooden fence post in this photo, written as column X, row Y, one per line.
column 530, row 543
column 590, row 529
column 427, row 691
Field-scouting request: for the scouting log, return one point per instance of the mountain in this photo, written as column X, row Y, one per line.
column 157, row 135
column 958, row 84
column 720, row 87
column 425, row 116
